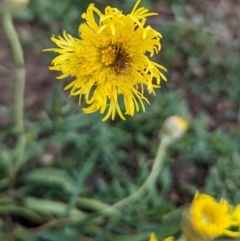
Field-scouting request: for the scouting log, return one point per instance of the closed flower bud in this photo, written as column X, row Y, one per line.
column 14, row 5
column 174, row 127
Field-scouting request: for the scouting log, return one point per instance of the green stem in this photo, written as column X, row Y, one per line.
column 94, row 205
column 20, row 69
column 19, row 88
column 151, row 180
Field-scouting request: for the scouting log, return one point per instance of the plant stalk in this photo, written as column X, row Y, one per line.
column 19, row 87
column 20, row 70
column 151, row 179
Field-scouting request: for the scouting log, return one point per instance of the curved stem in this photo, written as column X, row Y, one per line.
column 156, row 168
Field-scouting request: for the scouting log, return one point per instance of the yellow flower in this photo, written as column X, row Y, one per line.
column 153, row 238
column 209, row 219
column 170, row 238
column 109, row 62
column 236, row 215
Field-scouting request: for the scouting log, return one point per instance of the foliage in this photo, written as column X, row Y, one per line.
column 74, row 156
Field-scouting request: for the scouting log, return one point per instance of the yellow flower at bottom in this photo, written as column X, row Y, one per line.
column 153, row 238
column 210, row 218
column 170, row 238
column 236, row 215
column 110, row 60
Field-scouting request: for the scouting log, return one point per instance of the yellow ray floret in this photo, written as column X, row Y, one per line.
column 109, row 61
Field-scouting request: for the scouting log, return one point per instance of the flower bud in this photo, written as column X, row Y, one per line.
column 14, row 5
column 174, row 127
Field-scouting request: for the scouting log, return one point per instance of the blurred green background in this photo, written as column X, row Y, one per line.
column 74, row 154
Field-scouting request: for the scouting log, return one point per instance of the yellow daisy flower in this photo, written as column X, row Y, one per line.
column 110, row 59
column 153, row 238
column 236, row 215
column 209, row 219
column 170, row 238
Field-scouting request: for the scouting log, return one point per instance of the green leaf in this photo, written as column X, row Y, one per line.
column 50, row 208
column 20, row 211
column 51, row 176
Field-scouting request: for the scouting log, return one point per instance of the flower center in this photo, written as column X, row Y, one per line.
column 109, row 55
column 206, row 219
column 117, row 58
